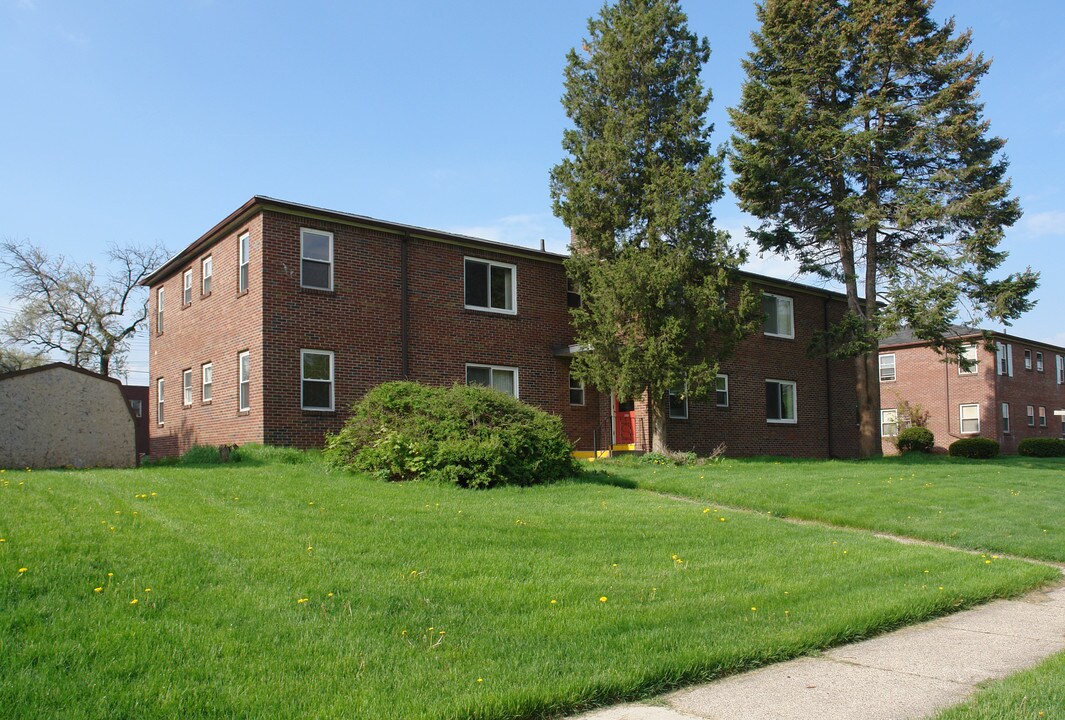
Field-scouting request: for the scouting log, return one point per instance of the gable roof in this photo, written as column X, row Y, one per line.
column 58, row 366
column 905, row 337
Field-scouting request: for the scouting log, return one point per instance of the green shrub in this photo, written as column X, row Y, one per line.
column 915, row 439
column 1042, row 447
column 201, row 455
column 468, row 435
column 670, row 457
column 976, row 447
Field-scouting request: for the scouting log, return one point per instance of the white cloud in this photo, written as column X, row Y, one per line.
column 1045, row 224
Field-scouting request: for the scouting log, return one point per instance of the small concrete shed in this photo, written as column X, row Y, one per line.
column 59, row 415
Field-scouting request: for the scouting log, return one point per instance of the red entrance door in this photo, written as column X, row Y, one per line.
column 625, row 423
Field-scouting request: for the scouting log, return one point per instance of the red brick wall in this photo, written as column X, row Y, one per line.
column 211, row 329
column 1030, row 387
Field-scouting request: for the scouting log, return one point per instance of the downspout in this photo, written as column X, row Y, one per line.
column 828, row 387
column 404, row 310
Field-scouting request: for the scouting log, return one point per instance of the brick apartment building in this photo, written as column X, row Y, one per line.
column 1007, row 395
column 269, row 326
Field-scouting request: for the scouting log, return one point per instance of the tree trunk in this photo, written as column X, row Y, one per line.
column 105, row 364
column 867, row 369
column 657, row 410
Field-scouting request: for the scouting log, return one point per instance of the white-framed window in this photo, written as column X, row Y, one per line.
column 970, row 418
column 576, row 391
column 186, row 287
column 1004, row 357
column 780, row 401
column 159, row 385
column 243, row 256
column 1042, row 416
column 779, row 315
column 491, row 285
column 889, row 422
column 206, row 271
column 1039, row 362
column 573, row 294
column 160, row 297
column 1027, row 359
column 316, row 259
column 1030, row 415
column 721, row 390
column 316, row 379
column 136, row 407
column 887, row 368
column 1061, row 369
column 244, row 381
column 207, row 375
column 678, row 402
column 970, row 360
column 1006, row 418
column 186, row 387
column 503, row 379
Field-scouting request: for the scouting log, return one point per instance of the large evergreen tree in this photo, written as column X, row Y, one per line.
column 861, row 145
column 635, row 191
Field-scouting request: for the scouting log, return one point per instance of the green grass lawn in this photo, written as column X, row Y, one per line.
column 1012, row 505
column 1035, row 694
column 283, row 590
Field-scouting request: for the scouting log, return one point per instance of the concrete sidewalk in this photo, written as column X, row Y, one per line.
column 910, row 673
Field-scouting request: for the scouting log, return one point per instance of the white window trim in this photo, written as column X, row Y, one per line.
column 204, row 384
column 669, row 404
column 894, row 413
column 242, row 261
column 160, row 415
column 303, row 232
column 894, row 367
column 975, row 369
column 186, row 387
column 1029, row 415
column 491, row 264
column 1004, row 352
column 728, row 398
column 206, row 273
column 1039, row 367
column 1029, row 361
column 1007, row 424
column 571, row 389
column 517, row 392
column 1042, row 416
column 795, row 395
column 1061, row 369
column 241, row 381
column 160, row 300
column 186, row 287
column 332, row 382
column 791, row 304
column 962, row 419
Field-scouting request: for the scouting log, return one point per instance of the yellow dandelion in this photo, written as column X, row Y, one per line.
column 329, row 594
column 133, row 601
column 22, row 570
column 110, row 574
column 98, row 589
column 602, row 599
column 722, row 519
column 554, row 602
column 706, row 510
column 3, row 540
column 987, row 562
column 480, row 679
column 754, row 609
column 147, row 589
column 301, row 601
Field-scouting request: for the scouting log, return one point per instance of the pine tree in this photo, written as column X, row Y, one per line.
column 862, row 147
column 635, row 190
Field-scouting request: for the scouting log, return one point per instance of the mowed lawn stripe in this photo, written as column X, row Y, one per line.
column 418, row 601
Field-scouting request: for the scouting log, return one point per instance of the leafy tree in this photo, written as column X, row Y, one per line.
column 635, row 190
column 14, row 358
column 861, row 145
column 67, row 308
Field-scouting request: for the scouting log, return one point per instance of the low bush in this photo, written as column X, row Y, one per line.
column 669, row 457
column 1042, row 447
column 471, row 436
column 976, row 447
column 915, row 439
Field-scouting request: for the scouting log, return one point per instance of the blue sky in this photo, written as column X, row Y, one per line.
column 143, row 121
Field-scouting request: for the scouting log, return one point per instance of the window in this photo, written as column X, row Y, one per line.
column 1061, row 369
column 780, row 401
column 1005, row 359
column 1027, row 359
column 889, row 423
column 1006, row 418
column 316, row 259
column 159, row 401
column 1042, row 416
column 503, row 379
column 316, row 376
column 207, row 371
column 206, row 269
column 186, row 284
column 970, row 418
column 1030, row 414
column 779, row 318
column 160, row 295
column 244, row 394
column 970, row 359
column 678, row 402
column 576, row 391
column 1039, row 362
column 721, row 390
column 573, row 294
column 887, row 368
column 136, row 407
column 186, row 387
column 490, row 286
column 244, row 254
